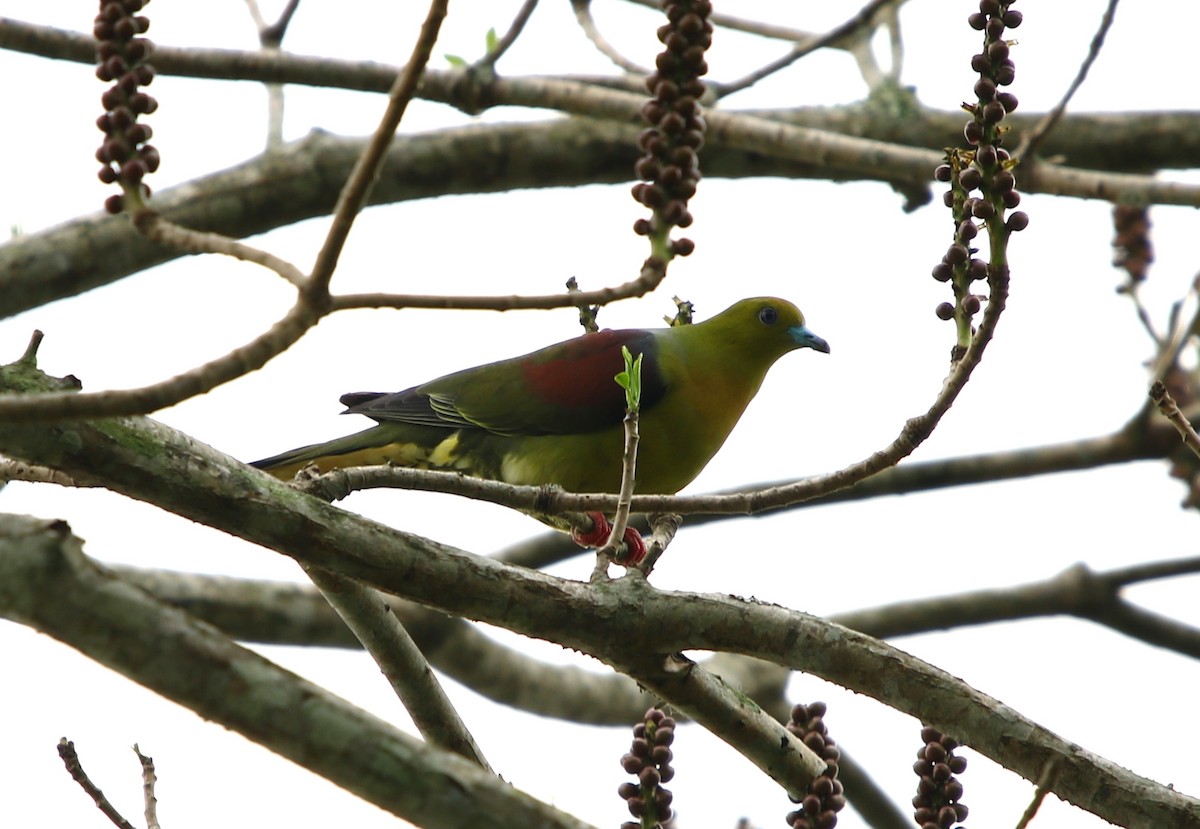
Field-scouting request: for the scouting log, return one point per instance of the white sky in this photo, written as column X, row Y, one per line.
column 1067, row 362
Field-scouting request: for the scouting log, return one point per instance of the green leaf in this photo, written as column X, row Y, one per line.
column 456, row 61
column 631, row 380
column 492, row 39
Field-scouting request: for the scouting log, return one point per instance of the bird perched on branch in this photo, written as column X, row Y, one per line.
column 555, row 416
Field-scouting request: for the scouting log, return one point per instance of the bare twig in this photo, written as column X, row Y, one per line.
column 1044, row 786
column 1034, row 137
column 644, row 283
column 240, row 361
column 158, row 229
column 1170, row 410
column 270, row 37
column 488, row 61
column 583, row 15
column 366, row 613
column 149, row 779
column 356, row 190
column 66, row 750
column 628, row 472
column 1178, row 335
column 854, row 30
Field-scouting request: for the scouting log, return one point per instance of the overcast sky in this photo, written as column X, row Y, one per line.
column 1067, row 362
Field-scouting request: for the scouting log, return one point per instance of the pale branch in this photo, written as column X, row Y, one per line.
column 840, row 154
column 281, row 613
column 583, row 16
column 300, row 181
column 1132, row 141
column 47, row 582
column 616, row 624
column 367, row 614
column 1179, row 335
column 11, row 470
column 355, row 192
column 765, row 29
column 270, row 38
column 149, row 780
column 186, row 240
column 850, row 34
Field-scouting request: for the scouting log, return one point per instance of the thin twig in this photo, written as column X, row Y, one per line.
column 848, row 33
column 270, row 38
column 272, row 35
column 488, row 61
column 158, row 229
column 242, row 360
column 66, row 750
column 663, row 527
column 367, row 614
column 1170, row 410
column 1044, row 784
column 1178, row 335
column 358, row 187
column 149, row 779
column 644, row 283
column 583, row 16
column 628, row 473
column 1034, row 137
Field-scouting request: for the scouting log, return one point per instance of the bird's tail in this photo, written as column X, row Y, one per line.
column 378, row 445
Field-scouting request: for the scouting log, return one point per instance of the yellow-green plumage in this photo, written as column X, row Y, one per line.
column 555, row 416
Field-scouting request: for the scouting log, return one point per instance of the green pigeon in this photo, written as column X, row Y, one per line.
column 554, row 416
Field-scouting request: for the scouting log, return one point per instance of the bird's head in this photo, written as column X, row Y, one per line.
column 766, row 327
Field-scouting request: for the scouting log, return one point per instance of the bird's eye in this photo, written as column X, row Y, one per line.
column 768, row 315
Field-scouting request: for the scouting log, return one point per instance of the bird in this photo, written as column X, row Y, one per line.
column 555, row 415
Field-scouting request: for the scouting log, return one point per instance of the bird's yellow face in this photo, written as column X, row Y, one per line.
column 765, row 327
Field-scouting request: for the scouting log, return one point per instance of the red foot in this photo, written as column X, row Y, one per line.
column 635, row 548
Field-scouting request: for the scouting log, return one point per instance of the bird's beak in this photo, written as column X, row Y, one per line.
column 807, row 339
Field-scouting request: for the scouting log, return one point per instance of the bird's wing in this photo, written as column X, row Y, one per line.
column 565, row 388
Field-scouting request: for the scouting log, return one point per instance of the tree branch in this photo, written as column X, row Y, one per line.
column 164, row 649
column 620, row 623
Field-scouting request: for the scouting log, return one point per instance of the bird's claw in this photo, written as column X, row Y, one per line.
column 635, row 547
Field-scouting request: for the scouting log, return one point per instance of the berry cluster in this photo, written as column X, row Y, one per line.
column 669, row 168
column 122, row 56
column 649, row 758
column 1132, row 249
column 823, row 798
column 937, row 802
column 982, row 184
